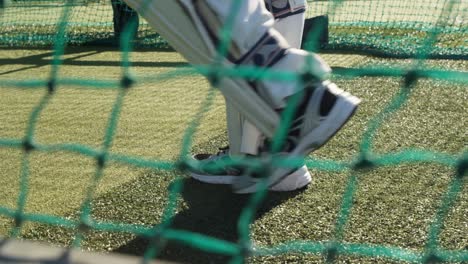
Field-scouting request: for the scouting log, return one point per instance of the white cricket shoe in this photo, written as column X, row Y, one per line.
column 229, row 174
column 324, row 109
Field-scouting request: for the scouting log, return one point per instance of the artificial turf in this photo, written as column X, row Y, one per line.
column 393, row 206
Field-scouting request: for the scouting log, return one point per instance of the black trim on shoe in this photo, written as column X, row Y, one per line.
column 327, row 102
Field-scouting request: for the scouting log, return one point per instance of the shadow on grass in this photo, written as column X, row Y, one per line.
column 212, row 210
column 45, row 58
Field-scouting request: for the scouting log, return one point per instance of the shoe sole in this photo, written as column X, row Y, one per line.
column 344, row 110
column 292, row 181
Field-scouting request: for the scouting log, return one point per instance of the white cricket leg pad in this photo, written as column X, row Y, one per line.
column 295, row 61
column 171, row 21
column 184, row 24
column 278, row 91
column 178, row 22
column 250, row 24
column 291, row 27
column 289, row 21
column 285, row 8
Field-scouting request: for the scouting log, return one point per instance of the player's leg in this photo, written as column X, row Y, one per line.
column 289, row 22
column 116, row 18
column 192, row 28
column 244, row 137
column 129, row 19
column 182, row 25
column 122, row 16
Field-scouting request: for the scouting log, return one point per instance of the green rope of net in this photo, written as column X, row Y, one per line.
column 429, row 44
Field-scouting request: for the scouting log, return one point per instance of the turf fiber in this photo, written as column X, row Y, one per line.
column 393, row 206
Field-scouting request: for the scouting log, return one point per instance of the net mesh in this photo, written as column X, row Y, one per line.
column 396, row 27
column 445, row 24
column 390, row 27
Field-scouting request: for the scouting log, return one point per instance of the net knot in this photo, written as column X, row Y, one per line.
column 18, row 218
column 214, row 78
column 156, row 237
column 462, row 167
column 181, row 165
column 245, row 249
column 126, row 82
column 331, row 252
column 410, row 78
column 84, row 226
column 432, row 258
column 51, row 85
column 101, row 160
column 363, row 163
column 28, row 146
column 307, row 77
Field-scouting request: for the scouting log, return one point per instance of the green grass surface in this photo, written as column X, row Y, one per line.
column 393, row 206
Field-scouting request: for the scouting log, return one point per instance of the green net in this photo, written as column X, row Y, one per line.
column 34, row 23
column 442, row 27
column 396, row 27
column 390, row 27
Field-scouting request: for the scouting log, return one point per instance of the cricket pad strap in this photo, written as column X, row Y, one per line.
column 285, row 8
